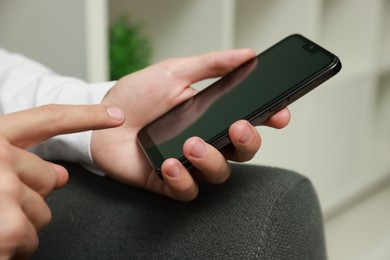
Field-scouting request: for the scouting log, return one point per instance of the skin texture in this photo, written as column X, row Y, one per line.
column 25, row 179
column 147, row 94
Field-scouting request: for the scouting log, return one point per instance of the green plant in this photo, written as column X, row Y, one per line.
column 129, row 49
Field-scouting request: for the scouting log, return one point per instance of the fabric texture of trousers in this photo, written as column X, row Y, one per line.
column 259, row 213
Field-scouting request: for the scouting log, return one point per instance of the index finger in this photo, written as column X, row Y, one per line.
column 29, row 127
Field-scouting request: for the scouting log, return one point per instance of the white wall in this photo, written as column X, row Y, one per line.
column 49, row 31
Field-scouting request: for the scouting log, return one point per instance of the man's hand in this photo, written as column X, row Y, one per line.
column 25, row 179
column 149, row 93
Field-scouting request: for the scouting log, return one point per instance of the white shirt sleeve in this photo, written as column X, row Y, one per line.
column 25, row 83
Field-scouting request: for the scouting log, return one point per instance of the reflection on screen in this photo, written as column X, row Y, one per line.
column 250, row 88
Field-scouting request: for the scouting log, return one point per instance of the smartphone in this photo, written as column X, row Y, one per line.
column 254, row 91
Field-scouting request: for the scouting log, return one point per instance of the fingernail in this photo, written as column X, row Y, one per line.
column 246, row 135
column 115, row 113
column 199, row 150
column 174, row 171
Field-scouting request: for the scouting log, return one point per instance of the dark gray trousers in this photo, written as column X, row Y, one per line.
column 260, row 212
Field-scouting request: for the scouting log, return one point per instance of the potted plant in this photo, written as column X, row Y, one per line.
column 129, row 49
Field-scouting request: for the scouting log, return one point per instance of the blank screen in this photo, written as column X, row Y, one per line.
column 241, row 94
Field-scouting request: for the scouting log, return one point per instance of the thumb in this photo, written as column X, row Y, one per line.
column 208, row 65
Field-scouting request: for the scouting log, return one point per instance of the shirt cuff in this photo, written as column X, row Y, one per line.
column 85, row 137
column 75, row 147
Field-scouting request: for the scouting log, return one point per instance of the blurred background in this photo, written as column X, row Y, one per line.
column 339, row 136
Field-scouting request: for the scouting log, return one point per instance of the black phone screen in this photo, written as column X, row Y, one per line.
column 250, row 92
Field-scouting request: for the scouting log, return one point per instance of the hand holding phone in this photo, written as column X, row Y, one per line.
column 254, row 92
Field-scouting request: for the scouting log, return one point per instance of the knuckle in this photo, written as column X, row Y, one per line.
column 243, row 156
column 44, row 191
column 222, row 177
column 220, row 173
column 14, row 230
column 5, row 151
column 96, row 113
column 10, row 185
column 45, row 188
column 216, row 169
column 184, row 192
column 52, row 112
column 45, row 218
column 215, row 62
column 188, row 195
